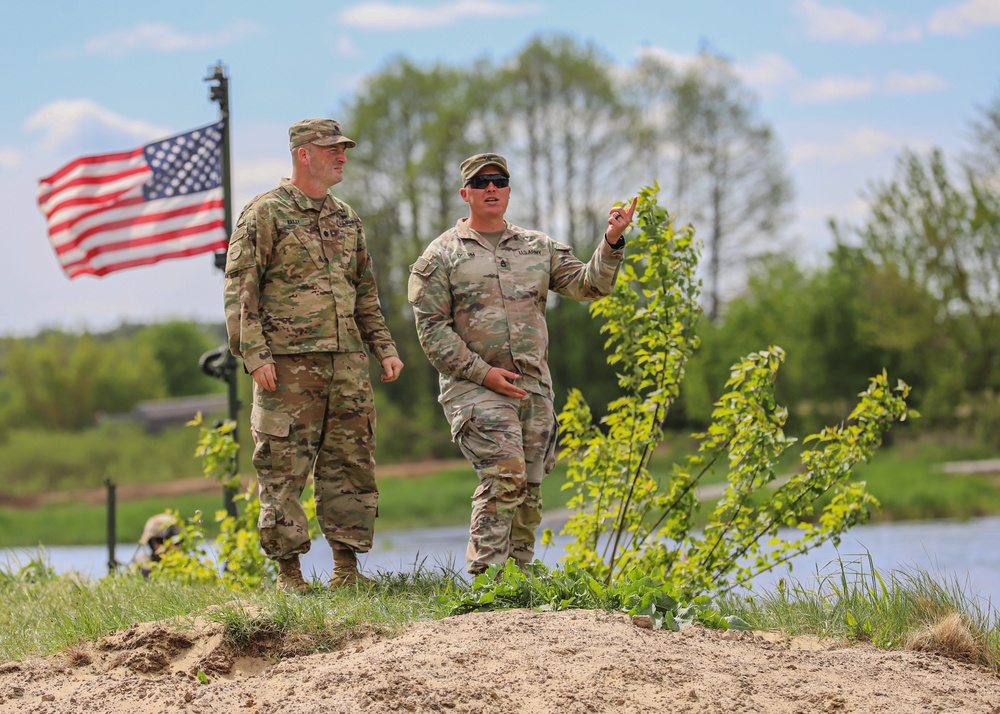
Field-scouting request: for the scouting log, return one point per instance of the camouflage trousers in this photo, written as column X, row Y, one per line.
column 319, row 420
column 511, row 444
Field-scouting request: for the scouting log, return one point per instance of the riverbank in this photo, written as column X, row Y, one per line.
column 917, row 480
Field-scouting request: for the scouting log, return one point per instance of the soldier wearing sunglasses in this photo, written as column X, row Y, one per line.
column 478, row 294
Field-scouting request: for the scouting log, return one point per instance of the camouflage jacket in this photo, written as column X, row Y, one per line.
column 476, row 309
column 300, row 280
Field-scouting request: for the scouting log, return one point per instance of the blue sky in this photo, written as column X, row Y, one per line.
column 845, row 84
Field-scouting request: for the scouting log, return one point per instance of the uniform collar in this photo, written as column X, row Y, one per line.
column 301, row 200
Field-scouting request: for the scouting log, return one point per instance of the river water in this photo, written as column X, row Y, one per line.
column 961, row 553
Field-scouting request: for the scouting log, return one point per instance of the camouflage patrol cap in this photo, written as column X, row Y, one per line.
column 471, row 166
column 157, row 527
column 322, row 132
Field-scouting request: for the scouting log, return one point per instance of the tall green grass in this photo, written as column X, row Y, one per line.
column 852, row 600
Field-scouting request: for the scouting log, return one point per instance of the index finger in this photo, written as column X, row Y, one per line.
column 630, row 211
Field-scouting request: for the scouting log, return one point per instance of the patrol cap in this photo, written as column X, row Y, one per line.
column 322, row 132
column 157, row 526
column 471, row 166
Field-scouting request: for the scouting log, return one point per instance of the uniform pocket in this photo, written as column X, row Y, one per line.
column 270, row 422
column 478, row 442
column 420, row 273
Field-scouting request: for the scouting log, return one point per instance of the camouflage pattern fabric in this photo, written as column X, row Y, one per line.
column 476, row 309
column 300, row 294
column 511, row 444
column 300, row 280
column 320, row 420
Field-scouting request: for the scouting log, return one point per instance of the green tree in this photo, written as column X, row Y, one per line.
column 178, row 346
column 62, row 381
column 566, row 130
column 984, row 158
column 627, row 519
column 931, row 251
column 700, row 127
column 821, row 317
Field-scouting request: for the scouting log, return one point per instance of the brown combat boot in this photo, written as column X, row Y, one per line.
column 345, row 570
column 290, row 578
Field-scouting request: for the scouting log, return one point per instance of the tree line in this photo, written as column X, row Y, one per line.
column 913, row 289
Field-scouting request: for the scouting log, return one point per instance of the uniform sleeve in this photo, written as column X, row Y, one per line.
column 429, row 293
column 575, row 279
column 367, row 309
column 246, row 261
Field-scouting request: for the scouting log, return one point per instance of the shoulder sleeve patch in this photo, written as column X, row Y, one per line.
column 240, row 253
column 420, row 274
column 423, row 267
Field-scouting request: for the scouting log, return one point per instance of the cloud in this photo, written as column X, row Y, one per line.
column 915, row 83
column 838, row 23
column 963, row 18
column 159, row 37
column 765, row 73
column 768, row 72
column 834, row 89
column 68, row 123
column 771, row 73
column 865, row 143
column 827, row 22
column 677, row 60
column 386, row 16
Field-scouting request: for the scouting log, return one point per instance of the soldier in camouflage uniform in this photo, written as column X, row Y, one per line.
column 301, row 306
column 478, row 294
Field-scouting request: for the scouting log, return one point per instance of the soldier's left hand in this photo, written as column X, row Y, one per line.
column 619, row 219
column 392, row 366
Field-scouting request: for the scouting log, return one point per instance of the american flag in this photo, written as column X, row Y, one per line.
column 160, row 201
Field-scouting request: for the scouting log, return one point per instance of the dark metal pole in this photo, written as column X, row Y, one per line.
column 219, row 92
column 111, row 527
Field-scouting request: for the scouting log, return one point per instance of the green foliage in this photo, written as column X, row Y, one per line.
column 177, row 347
column 235, row 558
column 930, row 256
column 626, row 519
column 63, row 381
column 217, row 449
column 649, row 320
column 503, row 587
column 39, row 461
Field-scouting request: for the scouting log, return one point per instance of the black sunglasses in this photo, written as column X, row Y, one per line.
column 481, row 182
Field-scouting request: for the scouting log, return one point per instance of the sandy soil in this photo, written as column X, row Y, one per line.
column 498, row 662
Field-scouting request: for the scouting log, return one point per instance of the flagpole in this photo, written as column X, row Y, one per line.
column 225, row 367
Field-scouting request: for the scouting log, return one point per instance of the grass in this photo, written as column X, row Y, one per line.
column 900, row 610
column 908, row 481
column 44, row 614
